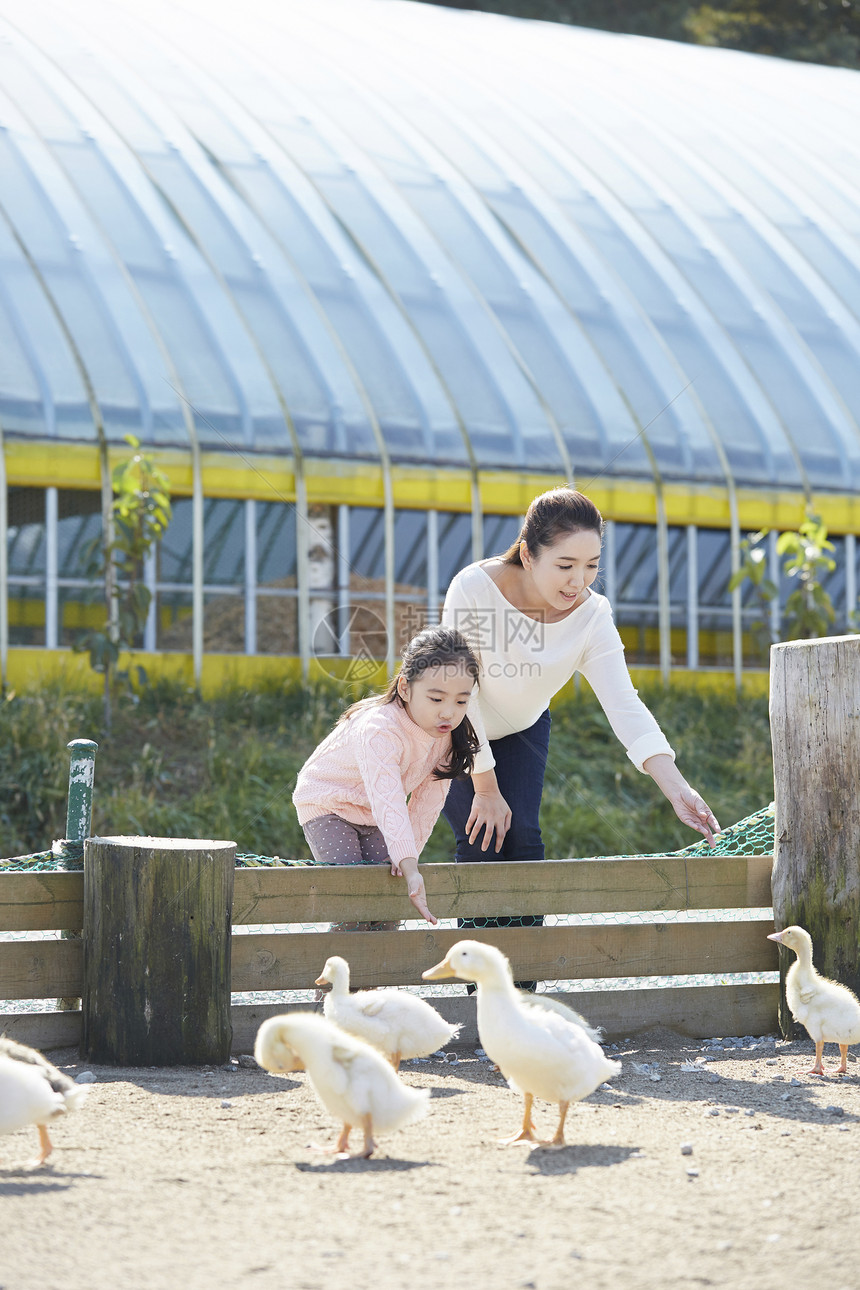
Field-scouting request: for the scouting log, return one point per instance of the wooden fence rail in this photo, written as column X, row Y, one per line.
column 39, row 902
column 263, row 961
column 335, row 892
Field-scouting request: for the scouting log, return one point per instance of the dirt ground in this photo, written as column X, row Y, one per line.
column 187, row 1179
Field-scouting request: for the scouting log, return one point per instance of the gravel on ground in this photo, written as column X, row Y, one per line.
column 716, row 1163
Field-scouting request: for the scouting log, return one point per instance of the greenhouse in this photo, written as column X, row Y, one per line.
column 364, row 276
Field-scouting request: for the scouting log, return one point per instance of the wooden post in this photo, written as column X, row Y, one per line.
column 815, row 725
column 157, row 919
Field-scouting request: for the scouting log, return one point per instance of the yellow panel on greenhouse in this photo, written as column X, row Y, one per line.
column 344, row 483
column 32, row 464
column 271, row 477
column 265, row 478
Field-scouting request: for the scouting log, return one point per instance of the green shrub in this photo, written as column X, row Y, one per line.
column 177, row 765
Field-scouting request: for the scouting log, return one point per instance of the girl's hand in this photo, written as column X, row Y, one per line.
column 491, row 813
column 408, row 869
column 418, row 896
column 692, row 809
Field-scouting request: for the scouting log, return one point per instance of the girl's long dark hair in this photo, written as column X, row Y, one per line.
column 435, row 647
column 552, row 514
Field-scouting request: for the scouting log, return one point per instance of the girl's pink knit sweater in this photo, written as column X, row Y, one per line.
column 365, row 769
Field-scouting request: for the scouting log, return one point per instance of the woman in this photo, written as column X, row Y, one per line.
column 533, row 618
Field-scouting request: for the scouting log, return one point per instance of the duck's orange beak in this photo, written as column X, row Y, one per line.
column 321, row 980
column 437, row 973
column 775, row 936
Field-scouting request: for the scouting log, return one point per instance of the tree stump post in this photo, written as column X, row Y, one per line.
column 815, row 725
column 157, row 923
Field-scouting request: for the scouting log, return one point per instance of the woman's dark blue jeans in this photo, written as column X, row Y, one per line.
column 520, row 767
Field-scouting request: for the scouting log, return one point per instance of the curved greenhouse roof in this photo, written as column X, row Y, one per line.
column 369, row 229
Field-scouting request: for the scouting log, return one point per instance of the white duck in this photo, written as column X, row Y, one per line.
column 539, row 1052
column 351, row 1079
column 547, row 1002
column 399, row 1024
column 829, row 1011
column 32, row 1091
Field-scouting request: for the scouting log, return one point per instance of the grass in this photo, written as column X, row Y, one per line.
column 176, row 765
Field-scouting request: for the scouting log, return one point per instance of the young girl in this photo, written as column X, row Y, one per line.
column 410, row 742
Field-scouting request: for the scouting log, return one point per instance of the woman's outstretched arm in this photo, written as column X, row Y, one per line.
column 689, row 806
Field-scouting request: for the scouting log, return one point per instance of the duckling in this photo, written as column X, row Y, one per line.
column 549, row 1004
column 539, row 1052
column 351, row 1079
column 400, row 1025
column 829, row 1011
column 32, row 1091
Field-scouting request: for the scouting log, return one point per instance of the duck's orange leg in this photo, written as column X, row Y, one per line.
column 46, row 1147
column 558, row 1140
column 817, row 1069
column 340, row 1148
column 843, row 1051
column 527, row 1132
column 395, row 1060
column 369, row 1144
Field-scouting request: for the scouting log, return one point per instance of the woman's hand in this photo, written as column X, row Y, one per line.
column 408, row 869
column 691, row 808
column 489, row 812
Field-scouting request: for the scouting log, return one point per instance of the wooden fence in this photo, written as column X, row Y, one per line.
column 48, row 968
column 37, row 969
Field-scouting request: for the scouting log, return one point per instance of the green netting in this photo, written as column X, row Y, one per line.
column 69, row 856
column 250, row 860
column 751, row 836
column 63, row 855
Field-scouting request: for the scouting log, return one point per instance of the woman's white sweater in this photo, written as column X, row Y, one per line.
column 525, row 662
